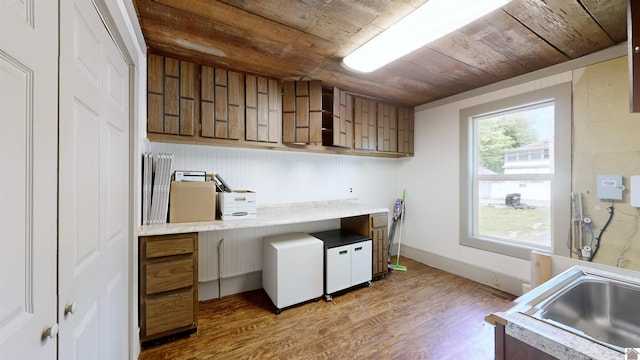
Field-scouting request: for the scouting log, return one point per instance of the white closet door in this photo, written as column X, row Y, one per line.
column 28, row 181
column 93, row 188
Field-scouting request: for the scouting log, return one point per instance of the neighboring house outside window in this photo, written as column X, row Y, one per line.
column 515, row 163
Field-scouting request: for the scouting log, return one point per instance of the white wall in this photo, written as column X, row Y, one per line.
column 282, row 177
column 432, row 222
column 432, row 177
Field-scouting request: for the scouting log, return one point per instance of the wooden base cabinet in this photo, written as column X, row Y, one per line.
column 374, row 226
column 168, row 285
column 510, row 348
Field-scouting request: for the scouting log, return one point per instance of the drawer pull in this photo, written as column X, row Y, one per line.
column 240, row 199
column 358, row 248
column 343, row 252
column 240, row 213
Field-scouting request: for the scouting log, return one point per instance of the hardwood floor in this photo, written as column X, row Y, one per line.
column 423, row 313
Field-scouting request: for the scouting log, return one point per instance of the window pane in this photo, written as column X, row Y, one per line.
column 513, row 141
column 514, row 210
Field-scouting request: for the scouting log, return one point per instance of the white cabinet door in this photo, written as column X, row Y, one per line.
column 338, row 269
column 93, row 188
column 28, row 181
column 361, row 262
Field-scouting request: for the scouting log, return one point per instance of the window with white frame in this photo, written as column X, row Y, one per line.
column 515, row 166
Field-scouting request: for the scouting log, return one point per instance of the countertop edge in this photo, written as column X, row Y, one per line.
column 285, row 214
column 551, row 340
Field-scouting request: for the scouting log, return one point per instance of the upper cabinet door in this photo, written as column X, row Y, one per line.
column 302, row 112
column 222, row 103
column 405, row 130
column 340, row 125
column 364, row 124
column 263, row 109
column 387, row 127
column 171, row 96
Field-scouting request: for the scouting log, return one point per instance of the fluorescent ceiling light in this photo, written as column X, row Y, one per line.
column 427, row 23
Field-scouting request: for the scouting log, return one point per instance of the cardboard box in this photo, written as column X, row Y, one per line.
column 237, row 205
column 192, row 201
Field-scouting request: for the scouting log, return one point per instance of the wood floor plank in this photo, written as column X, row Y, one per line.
column 423, row 313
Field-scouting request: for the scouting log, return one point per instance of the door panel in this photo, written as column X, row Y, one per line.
column 93, row 178
column 338, row 269
column 28, row 185
column 361, row 258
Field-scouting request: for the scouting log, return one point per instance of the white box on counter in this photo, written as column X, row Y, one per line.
column 237, row 205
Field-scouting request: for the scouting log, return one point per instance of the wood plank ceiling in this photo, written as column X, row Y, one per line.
column 307, row 39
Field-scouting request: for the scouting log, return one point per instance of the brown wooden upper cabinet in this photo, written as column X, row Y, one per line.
column 302, row 112
column 405, row 130
column 172, row 96
column 196, row 103
column 222, row 103
column 263, row 109
column 364, row 124
column 387, row 127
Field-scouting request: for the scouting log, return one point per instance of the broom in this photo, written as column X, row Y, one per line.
column 397, row 266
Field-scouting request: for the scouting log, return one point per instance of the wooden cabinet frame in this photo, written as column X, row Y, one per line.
column 376, row 227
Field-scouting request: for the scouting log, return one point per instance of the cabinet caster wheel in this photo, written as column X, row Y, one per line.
column 369, row 283
column 278, row 311
column 328, row 298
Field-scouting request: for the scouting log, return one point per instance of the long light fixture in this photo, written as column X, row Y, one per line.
column 427, row 23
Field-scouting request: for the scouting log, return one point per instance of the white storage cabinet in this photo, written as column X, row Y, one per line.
column 292, row 272
column 348, row 260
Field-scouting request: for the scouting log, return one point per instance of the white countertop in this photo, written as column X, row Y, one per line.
column 271, row 215
column 554, row 341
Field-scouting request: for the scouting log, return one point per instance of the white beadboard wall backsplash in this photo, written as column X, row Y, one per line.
column 278, row 177
column 283, row 177
column 241, row 250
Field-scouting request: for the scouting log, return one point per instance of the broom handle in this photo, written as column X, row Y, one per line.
column 400, row 238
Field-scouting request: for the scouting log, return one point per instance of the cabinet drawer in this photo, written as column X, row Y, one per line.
column 169, row 313
column 168, row 247
column 169, row 275
column 379, row 220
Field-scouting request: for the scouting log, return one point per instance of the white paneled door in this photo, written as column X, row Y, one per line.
column 93, row 188
column 28, row 180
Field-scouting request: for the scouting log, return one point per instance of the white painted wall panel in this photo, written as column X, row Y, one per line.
column 280, row 177
column 432, row 180
column 242, row 249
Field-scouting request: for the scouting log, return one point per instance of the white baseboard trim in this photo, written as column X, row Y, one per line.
column 228, row 286
column 208, row 290
column 252, row 281
column 478, row 274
